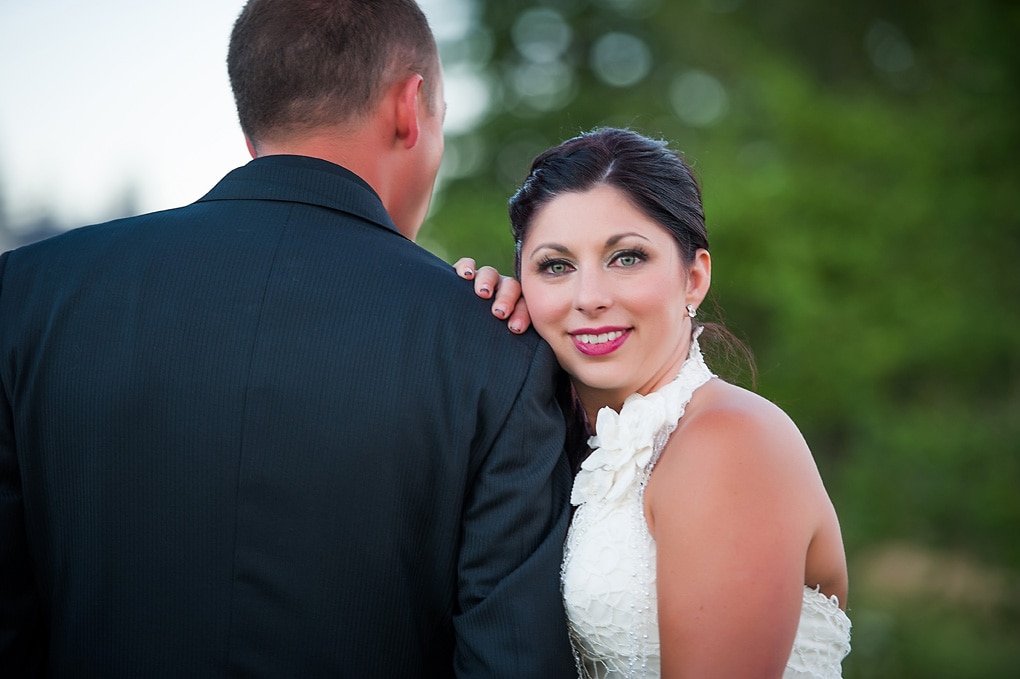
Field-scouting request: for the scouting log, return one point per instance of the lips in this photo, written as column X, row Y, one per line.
column 599, row 342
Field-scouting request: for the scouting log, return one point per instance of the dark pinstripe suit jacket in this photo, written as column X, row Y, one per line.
column 265, row 435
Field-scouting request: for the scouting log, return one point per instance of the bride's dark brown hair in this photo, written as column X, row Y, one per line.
column 658, row 182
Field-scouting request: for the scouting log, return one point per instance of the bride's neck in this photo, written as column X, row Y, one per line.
column 593, row 400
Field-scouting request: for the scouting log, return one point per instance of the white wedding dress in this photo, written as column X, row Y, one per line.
column 609, row 561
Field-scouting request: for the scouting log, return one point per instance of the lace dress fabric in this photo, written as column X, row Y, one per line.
column 608, row 573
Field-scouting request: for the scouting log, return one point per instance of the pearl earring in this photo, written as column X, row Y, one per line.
column 691, row 311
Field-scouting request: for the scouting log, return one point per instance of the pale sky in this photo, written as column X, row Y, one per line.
column 99, row 98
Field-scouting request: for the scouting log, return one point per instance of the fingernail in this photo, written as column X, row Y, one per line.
column 499, row 311
column 484, row 290
column 469, row 273
column 514, row 327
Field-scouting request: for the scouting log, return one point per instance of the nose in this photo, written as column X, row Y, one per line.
column 592, row 293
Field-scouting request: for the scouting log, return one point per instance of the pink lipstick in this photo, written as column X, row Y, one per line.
column 599, row 341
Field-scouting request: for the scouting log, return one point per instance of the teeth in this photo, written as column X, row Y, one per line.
column 600, row 339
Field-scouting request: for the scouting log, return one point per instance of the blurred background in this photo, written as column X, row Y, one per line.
column 859, row 167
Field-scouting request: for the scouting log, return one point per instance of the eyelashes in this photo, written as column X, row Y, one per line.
column 637, row 254
column 553, row 266
column 558, row 266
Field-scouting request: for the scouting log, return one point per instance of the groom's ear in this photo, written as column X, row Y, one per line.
column 408, row 110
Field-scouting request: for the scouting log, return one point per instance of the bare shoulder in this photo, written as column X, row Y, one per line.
column 737, row 465
column 732, row 425
column 732, row 442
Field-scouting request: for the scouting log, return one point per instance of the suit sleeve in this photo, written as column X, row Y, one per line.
column 510, row 621
column 20, row 616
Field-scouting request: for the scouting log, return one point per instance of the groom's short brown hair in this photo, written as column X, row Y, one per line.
column 299, row 64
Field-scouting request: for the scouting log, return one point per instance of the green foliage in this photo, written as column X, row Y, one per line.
column 930, row 641
column 861, row 187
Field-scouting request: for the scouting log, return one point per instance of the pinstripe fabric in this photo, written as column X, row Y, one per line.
column 264, row 435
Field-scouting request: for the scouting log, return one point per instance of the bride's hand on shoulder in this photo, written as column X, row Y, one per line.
column 504, row 291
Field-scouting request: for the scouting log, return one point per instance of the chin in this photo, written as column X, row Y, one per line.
column 601, row 383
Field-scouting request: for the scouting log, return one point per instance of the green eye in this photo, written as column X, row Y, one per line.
column 629, row 258
column 554, row 267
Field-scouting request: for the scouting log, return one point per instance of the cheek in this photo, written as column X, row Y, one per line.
column 661, row 302
column 543, row 303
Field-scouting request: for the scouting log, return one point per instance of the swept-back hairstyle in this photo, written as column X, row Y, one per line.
column 298, row 64
column 655, row 179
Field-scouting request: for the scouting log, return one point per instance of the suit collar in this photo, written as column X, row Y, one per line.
column 302, row 179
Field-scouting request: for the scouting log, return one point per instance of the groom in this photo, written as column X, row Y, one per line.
column 266, row 435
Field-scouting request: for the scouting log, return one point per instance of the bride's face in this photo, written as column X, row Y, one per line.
column 607, row 289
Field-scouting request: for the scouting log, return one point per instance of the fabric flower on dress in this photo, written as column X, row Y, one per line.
column 621, row 448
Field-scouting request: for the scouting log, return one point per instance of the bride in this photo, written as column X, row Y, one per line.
column 703, row 542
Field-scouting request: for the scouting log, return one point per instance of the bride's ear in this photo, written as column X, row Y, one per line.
column 699, row 277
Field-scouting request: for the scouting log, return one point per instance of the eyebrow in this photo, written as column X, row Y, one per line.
column 551, row 246
column 616, row 239
column 562, row 249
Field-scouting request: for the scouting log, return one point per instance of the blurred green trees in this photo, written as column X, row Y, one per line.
column 859, row 167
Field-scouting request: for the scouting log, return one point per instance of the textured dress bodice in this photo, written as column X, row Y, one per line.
column 609, row 560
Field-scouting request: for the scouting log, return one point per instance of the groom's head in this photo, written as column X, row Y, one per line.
column 300, row 64
column 355, row 82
